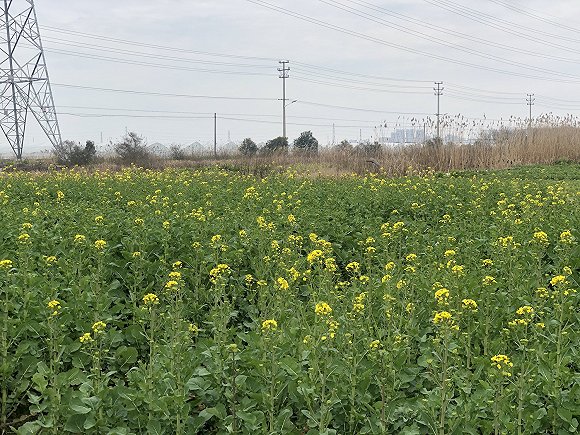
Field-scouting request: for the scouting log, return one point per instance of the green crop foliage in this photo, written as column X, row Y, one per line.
column 183, row 302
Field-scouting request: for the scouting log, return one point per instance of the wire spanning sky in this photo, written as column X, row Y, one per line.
column 163, row 67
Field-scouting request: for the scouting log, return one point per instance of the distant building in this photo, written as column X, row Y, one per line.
column 407, row 135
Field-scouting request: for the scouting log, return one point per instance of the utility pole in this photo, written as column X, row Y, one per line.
column 284, row 75
column 215, row 135
column 530, row 102
column 438, row 92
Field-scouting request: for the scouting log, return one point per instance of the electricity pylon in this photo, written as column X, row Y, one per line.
column 23, row 76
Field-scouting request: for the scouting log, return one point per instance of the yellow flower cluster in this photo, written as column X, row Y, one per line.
column 541, row 238
column 99, row 327
column 332, row 328
column 54, row 306
column 150, row 299
column 525, row 316
column 171, row 285
column 269, row 325
column 502, row 363
column 50, row 260
column 566, row 237
column 24, row 238
column 375, row 345
column 100, row 245
column 442, row 317
column 557, row 280
column 86, row 338
column 219, row 271
column 322, row 309
column 6, row 264
column 282, row 283
column 80, row 239
column 442, row 296
column 353, row 267
column 359, row 303
column 330, row 264
column 488, row 280
column 315, row 256
column 174, row 275
column 542, row 292
column 469, row 304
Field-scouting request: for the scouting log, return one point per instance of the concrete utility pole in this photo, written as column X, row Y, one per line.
column 284, row 75
column 438, row 92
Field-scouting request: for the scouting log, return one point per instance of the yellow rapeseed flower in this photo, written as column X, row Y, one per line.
column 80, row 239
column 86, row 338
column 566, row 238
column 558, row 279
column 469, row 304
column 322, row 309
column 269, row 325
column 24, row 238
column 375, row 344
column 443, row 318
column 502, row 363
column 54, row 306
column 171, row 285
column 282, row 283
column 442, row 296
column 315, row 256
column 353, row 267
column 100, row 245
column 6, row 264
column 174, row 275
column 150, row 299
column 540, row 237
column 99, row 327
column 488, row 280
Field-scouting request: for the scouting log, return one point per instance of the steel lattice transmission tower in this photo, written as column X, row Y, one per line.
column 23, row 76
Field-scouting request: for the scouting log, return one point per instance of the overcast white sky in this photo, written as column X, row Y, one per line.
column 529, row 38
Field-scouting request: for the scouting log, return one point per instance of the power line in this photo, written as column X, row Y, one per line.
column 425, row 36
column 88, row 46
column 150, row 64
column 160, row 94
column 495, row 22
column 345, row 31
column 162, row 47
column 535, row 16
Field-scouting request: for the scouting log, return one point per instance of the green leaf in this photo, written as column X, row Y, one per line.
column 40, row 382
